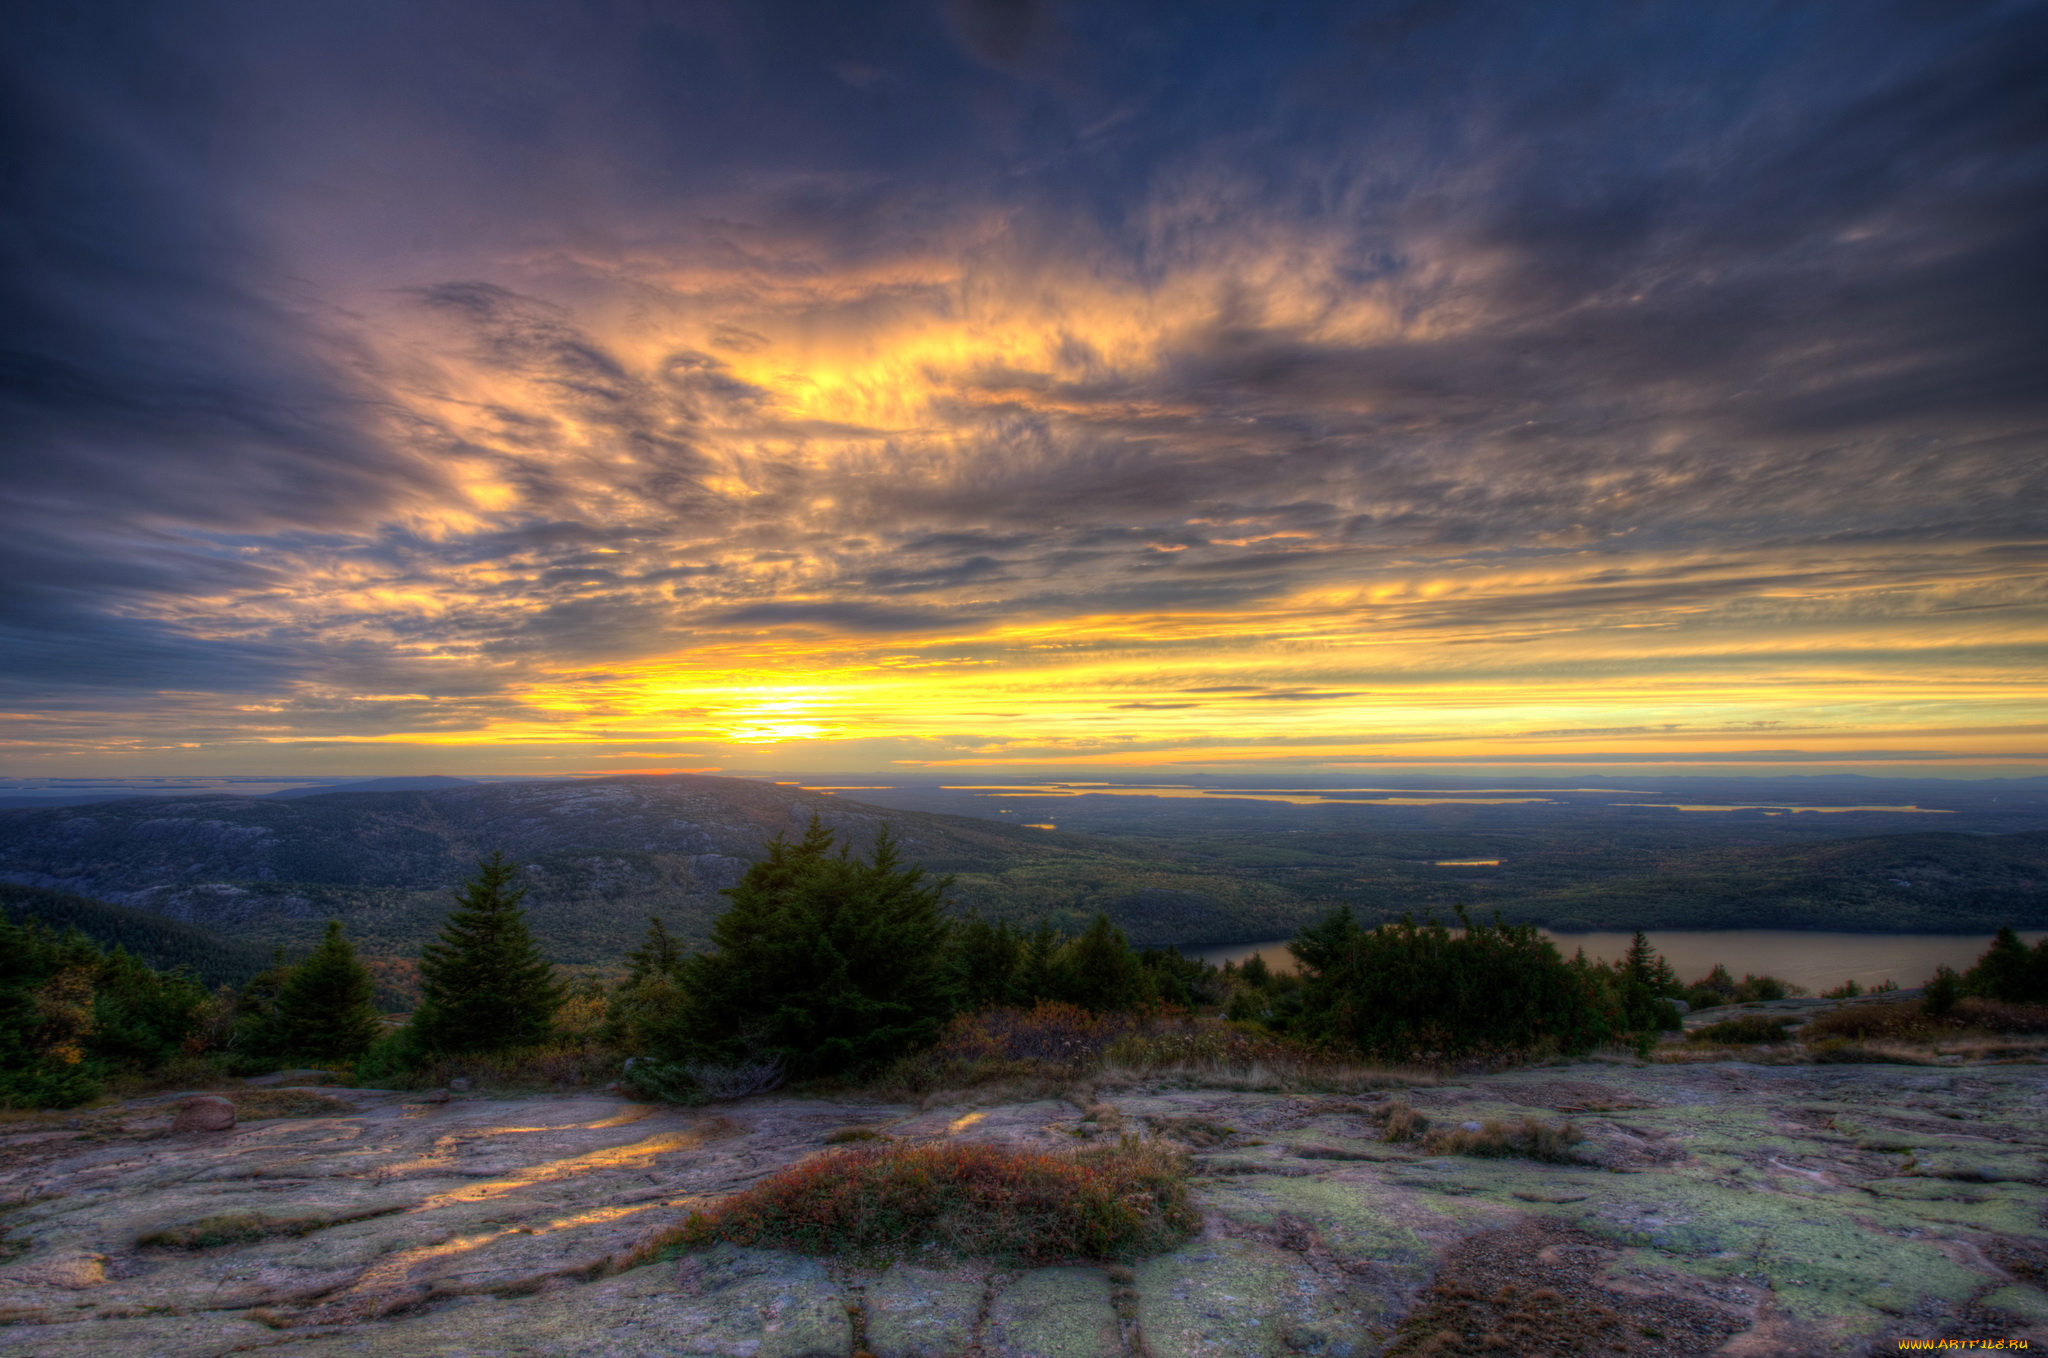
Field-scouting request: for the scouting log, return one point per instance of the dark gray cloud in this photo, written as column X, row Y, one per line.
column 412, row 347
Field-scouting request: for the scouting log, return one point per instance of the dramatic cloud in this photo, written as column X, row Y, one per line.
column 534, row 385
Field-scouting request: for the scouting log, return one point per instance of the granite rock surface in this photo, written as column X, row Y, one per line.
column 1715, row 1208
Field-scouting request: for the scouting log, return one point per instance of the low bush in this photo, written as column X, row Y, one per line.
column 1749, row 1029
column 691, row 1083
column 846, row 1136
column 564, row 1064
column 1717, row 988
column 1907, row 1021
column 1398, row 1122
column 981, row 1201
column 1525, row 1140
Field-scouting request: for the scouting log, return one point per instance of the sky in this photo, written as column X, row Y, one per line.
column 993, row 386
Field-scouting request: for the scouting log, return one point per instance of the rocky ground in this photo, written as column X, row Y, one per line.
column 1727, row 1208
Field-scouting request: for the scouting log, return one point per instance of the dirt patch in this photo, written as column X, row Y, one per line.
column 1577, row 1096
column 1534, row 1290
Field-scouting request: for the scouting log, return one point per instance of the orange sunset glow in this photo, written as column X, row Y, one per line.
column 1150, row 430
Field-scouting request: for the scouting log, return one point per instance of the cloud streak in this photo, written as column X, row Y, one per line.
column 548, row 381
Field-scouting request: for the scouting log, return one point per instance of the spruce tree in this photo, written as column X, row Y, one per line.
column 322, row 1010
column 645, row 1002
column 486, row 986
column 2005, row 971
column 824, row 963
column 1099, row 972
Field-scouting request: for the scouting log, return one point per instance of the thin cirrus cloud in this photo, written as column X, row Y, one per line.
column 523, row 386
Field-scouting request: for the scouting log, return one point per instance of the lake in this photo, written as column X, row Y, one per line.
column 1818, row 961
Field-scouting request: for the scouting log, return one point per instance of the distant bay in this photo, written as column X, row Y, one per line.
column 1819, row 961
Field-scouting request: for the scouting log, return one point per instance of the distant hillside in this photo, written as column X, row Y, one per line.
column 1933, row 882
column 162, row 942
column 600, row 855
column 432, row 782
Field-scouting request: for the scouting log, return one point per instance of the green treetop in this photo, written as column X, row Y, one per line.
column 321, row 1011
column 486, row 986
column 823, row 962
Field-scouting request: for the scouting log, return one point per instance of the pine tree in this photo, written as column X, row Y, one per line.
column 1099, row 972
column 986, row 958
column 646, row 1001
column 823, row 963
column 486, row 986
column 322, row 1010
column 659, row 955
column 2005, row 971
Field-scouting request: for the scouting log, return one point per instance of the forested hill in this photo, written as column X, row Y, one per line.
column 163, row 943
column 599, row 855
column 1932, row 882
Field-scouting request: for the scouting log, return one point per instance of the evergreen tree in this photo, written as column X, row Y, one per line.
column 823, row 962
column 986, row 960
column 658, row 956
column 485, row 984
column 1099, row 972
column 1942, row 991
column 1038, row 965
column 2007, row 971
column 647, row 1000
column 1647, row 966
column 1409, row 991
column 322, row 1010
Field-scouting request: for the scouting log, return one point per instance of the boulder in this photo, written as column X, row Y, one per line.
column 204, row 1113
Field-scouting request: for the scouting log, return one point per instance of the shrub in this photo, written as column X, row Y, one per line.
column 1120, row 1202
column 1527, row 1140
column 1717, row 987
column 1409, row 991
column 1897, row 1020
column 846, row 1136
column 697, row 1082
column 1905, row 1021
column 1750, row 1028
column 73, row 1017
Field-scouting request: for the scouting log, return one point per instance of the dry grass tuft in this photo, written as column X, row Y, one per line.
column 848, row 1135
column 1397, row 1121
column 1197, row 1132
column 1495, row 1139
column 1119, row 1202
column 254, row 1105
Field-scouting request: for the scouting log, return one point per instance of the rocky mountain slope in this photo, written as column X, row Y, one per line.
column 600, row 855
column 1724, row 1208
